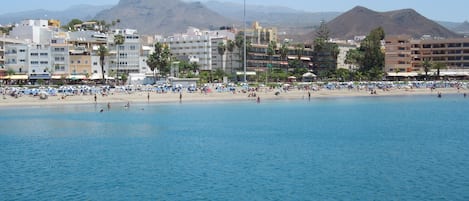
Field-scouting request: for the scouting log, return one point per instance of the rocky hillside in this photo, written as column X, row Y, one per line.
column 360, row 21
column 163, row 16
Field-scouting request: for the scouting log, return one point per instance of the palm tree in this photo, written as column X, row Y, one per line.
column 299, row 49
column 284, row 54
column 239, row 42
column 118, row 40
column 102, row 52
column 230, row 47
column 10, row 72
column 271, row 50
column 438, row 66
column 221, row 51
column 426, row 67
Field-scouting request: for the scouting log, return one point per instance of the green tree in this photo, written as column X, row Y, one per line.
column 323, row 33
column 230, row 47
column 283, row 51
column 239, row 42
column 342, row 74
column 438, row 66
column 427, row 65
column 118, row 41
column 221, row 51
column 354, row 57
column 271, row 48
column 373, row 56
column 376, row 73
column 102, row 52
column 160, row 58
column 71, row 25
column 219, row 74
column 6, row 30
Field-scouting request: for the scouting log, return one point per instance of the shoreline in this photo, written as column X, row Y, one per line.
column 263, row 94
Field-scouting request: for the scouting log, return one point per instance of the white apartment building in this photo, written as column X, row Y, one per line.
column 197, row 45
column 40, row 62
column 16, row 58
column 60, row 56
column 126, row 57
column 32, row 60
column 32, row 31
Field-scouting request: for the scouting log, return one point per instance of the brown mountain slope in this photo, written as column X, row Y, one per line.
column 162, row 16
column 360, row 21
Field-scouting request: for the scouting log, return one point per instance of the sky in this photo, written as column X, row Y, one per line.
column 447, row 10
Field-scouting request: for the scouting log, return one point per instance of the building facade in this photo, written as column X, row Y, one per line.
column 198, row 45
column 404, row 54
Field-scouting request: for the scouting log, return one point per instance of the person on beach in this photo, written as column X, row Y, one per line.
column 258, row 100
column 309, row 96
column 95, row 98
column 180, row 97
column 148, row 97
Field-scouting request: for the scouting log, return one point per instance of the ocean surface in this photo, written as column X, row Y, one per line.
column 369, row 148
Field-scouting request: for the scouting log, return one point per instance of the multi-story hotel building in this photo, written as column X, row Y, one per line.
column 198, row 45
column 404, row 54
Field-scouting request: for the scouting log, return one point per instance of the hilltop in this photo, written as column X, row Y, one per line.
column 163, row 16
column 359, row 21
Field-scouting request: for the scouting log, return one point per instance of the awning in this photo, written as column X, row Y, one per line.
column 247, row 73
column 39, row 77
column 57, row 77
column 310, row 75
column 403, row 74
column 18, row 77
column 453, row 73
column 100, row 77
column 76, row 77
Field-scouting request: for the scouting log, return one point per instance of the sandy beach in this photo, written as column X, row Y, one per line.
column 263, row 94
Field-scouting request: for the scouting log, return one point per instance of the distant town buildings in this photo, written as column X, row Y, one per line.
column 37, row 50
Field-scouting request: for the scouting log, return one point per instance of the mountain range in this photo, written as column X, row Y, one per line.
column 163, row 16
column 174, row 16
column 83, row 12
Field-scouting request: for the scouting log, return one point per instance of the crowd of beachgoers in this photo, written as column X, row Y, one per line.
column 141, row 93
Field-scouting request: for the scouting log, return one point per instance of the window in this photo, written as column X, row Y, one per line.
column 44, row 54
column 22, row 50
column 34, row 54
column 34, row 62
column 44, row 62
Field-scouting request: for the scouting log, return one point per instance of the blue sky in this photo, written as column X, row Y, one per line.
column 448, row 10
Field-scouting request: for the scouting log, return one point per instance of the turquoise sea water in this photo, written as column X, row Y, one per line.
column 374, row 148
